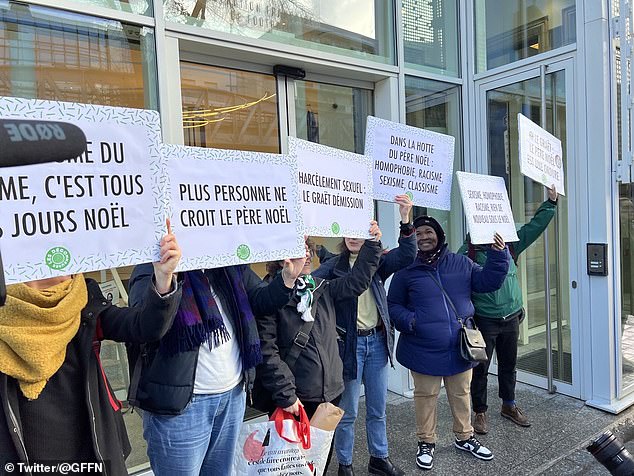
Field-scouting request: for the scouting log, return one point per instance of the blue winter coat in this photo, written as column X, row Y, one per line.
column 429, row 343
column 339, row 265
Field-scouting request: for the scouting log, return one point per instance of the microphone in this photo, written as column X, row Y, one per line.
column 27, row 142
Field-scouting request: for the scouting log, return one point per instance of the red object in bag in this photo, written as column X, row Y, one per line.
column 302, row 427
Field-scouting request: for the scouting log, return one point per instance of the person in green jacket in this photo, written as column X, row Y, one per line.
column 498, row 315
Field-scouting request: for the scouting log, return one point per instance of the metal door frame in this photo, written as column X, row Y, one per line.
column 483, row 86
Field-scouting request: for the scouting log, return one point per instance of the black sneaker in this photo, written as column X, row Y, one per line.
column 425, row 455
column 473, row 446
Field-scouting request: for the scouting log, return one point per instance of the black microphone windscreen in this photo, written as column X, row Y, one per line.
column 26, row 142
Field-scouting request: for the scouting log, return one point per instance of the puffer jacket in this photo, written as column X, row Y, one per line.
column 99, row 320
column 317, row 375
column 429, row 327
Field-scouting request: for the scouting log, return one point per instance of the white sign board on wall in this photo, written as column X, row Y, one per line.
column 101, row 210
column 541, row 155
column 233, row 207
column 486, row 207
column 336, row 190
column 410, row 160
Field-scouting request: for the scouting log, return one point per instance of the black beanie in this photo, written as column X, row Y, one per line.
column 425, row 220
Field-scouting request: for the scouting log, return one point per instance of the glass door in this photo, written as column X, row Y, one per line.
column 546, row 343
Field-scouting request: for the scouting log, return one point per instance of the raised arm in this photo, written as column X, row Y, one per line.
column 535, row 227
column 490, row 277
column 358, row 280
column 276, row 376
column 154, row 299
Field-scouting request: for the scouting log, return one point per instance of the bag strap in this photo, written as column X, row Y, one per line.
column 302, row 426
column 453, row 307
column 299, row 343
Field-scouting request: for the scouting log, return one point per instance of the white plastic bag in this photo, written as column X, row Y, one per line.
column 282, row 446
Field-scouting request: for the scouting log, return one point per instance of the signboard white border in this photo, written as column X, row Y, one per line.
column 211, row 260
column 19, row 108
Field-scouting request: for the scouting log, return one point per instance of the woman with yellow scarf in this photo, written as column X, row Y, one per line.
column 56, row 405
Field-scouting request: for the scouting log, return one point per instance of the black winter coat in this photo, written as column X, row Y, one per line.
column 166, row 383
column 99, row 320
column 347, row 309
column 317, row 375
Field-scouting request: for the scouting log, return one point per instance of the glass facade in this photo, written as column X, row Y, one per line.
column 508, row 31
column 46, row 54
column 431, row 37
column 139, row 7
column 363, row 29
column 437, row 106
column 503, row 105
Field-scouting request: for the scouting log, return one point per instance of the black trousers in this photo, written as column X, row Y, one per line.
column 500, row 335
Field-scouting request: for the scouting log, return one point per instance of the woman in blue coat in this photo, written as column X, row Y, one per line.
column 420, row 308
column 366, row 346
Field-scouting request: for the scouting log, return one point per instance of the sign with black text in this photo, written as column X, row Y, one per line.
column 541, row 156
column 487, row 208
column 233, row 207
column 100, row 210
column 410, row 160
column 336, row 190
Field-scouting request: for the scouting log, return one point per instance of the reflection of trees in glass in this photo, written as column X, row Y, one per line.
column 261, row 14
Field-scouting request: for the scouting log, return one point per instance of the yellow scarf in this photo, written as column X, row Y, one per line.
column 35, row 327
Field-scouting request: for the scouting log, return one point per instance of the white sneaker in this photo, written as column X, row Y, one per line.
column 473, row 446
column 425, row 455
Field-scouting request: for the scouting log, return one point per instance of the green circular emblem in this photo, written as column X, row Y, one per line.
column 410, row 195
column 335, row 228
column 243, row 252
column 57, row 258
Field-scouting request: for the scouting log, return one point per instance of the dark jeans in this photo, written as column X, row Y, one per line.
column 500, row 335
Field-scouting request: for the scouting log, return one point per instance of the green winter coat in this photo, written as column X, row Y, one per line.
column 508, row 299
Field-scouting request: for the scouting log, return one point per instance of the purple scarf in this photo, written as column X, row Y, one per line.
column 198, row 319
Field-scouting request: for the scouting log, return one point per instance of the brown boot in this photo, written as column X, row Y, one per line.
column 480, row 425
column 515, row 414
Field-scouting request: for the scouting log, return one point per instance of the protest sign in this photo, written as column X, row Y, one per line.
column 336, row 190
column 541, row 156
column 100, row 210
column 233, row 207
column 487, row 208
column 410, row 160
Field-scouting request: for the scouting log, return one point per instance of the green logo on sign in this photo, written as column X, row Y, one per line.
column 410, row 195
column 243, row 252
column 57, row 258
column 335, row 228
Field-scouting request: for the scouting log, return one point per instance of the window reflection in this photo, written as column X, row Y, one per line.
column 359, row 28
column 436, row 106
column 229, row 109
column 508, row 31
column 430, row 35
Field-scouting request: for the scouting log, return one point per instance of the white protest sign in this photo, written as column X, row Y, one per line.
column 541, row 156
column 487, row 208
column 410, row 160
column 336, row 190
column 101, row 210
column 233, row 207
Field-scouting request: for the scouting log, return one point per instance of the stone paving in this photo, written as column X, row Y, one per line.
column 554, row 444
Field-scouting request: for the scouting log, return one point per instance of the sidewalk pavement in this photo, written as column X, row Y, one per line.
column 554, row 445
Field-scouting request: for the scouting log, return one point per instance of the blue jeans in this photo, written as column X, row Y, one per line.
column 199, row 441
column 372, row 361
